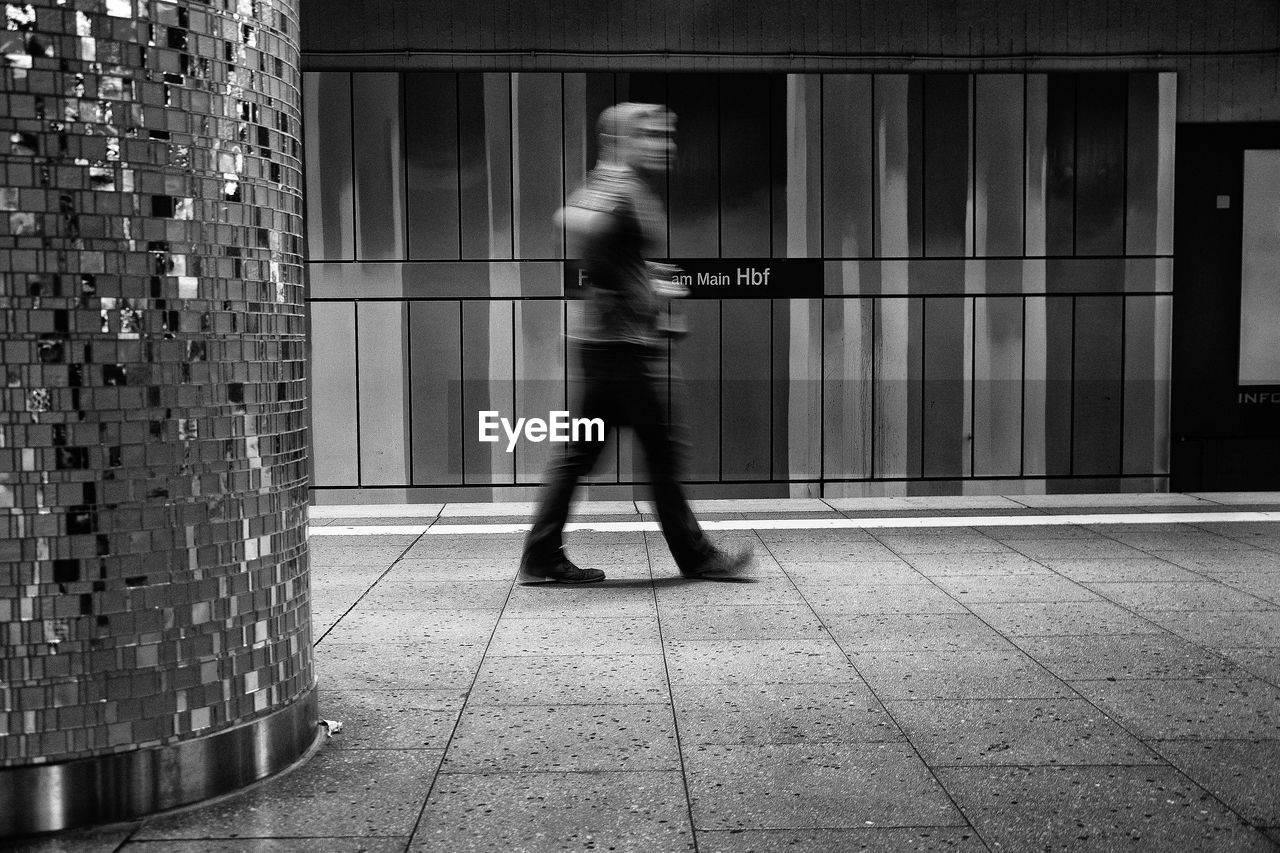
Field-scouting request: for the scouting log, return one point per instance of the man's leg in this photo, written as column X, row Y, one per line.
column 650, row 414
column 544, row 546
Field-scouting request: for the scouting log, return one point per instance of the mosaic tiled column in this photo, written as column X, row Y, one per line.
column 155, row 640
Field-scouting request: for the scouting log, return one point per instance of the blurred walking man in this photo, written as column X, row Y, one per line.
column 614, row 222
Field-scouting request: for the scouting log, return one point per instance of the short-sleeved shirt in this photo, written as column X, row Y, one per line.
column 621, row 303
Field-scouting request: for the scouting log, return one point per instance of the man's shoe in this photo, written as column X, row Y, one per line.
column 559, row 571
column 722, row 566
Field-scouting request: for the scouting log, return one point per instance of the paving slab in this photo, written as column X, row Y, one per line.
column 943, row 541
column 1004, row 673
column 885, row 573
column 740, row 621
column 534, row 738
column 1245, row 775
column 391, row 719
column 1220, row 629
column 814, row 712
column 1263, row 663
column 814, row 786
column 329, row 844
column 1264, row 585
column 642, row 811
column 1052, row 619
column 413, row 593
column 971, row 589
column 1222, row 562
column 1192, row 709
column 1139, row 570
column 756, row 662
column 932, row 839
column 1097, row 548
column 571, row 679
column 397, row 666
column 585, row 600
column 1179, row 595
column 845, row 600
column 917, row 632
column 989, row 563
column 373, row 627
column 1023, row 732
column 1128, row 656
column 1149, row 809
column 573, row 635
column 339, row 792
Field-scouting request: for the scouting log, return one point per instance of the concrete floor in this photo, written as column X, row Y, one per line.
column 984, row 687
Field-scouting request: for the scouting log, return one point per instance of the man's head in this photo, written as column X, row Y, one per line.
column 637, row 135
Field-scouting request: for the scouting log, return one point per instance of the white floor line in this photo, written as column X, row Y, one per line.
column 825, row 523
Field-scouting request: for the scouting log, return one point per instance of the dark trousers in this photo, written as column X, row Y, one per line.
column 624, row 385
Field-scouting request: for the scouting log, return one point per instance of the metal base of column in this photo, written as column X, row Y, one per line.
column 124, row 786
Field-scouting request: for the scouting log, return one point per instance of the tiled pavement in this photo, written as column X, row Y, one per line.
column 985, row 687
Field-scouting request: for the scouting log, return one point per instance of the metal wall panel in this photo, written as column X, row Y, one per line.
column 946, row 369
column 381, row 359
column 898, row 392
column 999, row 163
column 946, row 146
column 379, row 162
column 693, row 209
column 1098, row 374
column 431, row 165
column 847, row 388
column 898, row 182
column 488, row 367
column 745, row 190
column 539, row 379
column 484, row 158
column 997, row 391
column 848, row 197
column 438, row 421
column 698, row 395
column 538, row 154
column 1060, row 165
column 326, row 113
column 1101, row 103
column 335, row 433
column 746, row 417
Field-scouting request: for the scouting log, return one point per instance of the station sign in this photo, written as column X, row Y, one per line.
column 725, row 278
